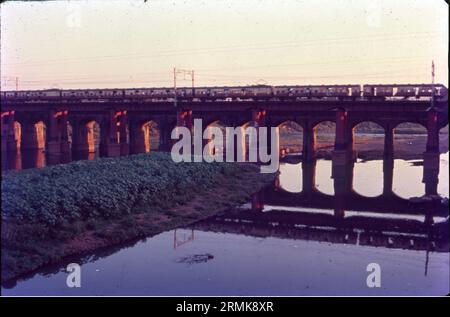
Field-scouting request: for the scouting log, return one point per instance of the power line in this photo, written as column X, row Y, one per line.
column 223, row 49
column 343, row 63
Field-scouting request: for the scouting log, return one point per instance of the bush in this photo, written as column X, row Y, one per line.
column 107, row 187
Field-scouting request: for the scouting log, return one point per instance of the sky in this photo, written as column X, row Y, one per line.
column 101, row 44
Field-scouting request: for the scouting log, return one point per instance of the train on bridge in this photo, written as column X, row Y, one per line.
column 235, row 93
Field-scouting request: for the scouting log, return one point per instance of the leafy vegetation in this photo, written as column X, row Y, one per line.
column 107, row 187
column 63, row 210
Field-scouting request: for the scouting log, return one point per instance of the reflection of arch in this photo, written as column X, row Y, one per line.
column 12, row 158
column 291, row 137
column 183, row 237
column 411, row 185
column 372, row 185
column 290, row 178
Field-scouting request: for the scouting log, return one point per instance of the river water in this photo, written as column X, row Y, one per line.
column 217, row 257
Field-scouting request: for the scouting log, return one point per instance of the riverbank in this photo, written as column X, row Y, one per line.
column 71, row 209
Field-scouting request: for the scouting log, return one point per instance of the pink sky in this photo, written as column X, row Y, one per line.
column 90, row 44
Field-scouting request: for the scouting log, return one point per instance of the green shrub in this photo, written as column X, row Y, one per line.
column 103, row 188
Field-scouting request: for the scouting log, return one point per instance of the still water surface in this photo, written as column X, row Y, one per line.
column 220, row 263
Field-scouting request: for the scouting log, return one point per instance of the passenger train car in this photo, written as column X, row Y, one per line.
column 235, row 93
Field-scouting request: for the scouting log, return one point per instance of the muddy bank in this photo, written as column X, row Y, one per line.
column 34, row 243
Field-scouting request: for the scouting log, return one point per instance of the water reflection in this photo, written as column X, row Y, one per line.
column 292, row 183
column 324, row 182
column 408, row 179
column 293, row 240
column 443, row 175
column 25, row 159
column 245, row 258
column 369, row 178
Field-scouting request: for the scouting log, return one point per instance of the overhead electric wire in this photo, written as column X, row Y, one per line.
column 223, row 49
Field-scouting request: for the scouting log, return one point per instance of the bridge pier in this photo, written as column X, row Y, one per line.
column 258, row 121
column 30, row 137
column 431, row 156
column 258, row 201
column 54, row 138
column 9, row 145
column 166, row 141
column 239, row 154
column 309, row 177
column 343, row 186
column 388, row 141
column 183, row 119
column 309, row 143
column 80, row 145
column 343, row 152
column 137, row 138
column 110, row 140
column 123, row 133
column 388, row 175
column 66, row 145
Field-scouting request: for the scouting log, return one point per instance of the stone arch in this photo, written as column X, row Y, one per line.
column 410, row 138
column 215, row 150
column 368, row 139
column 12, row 158
column 33, row 138
column 145, row 136
column 324, row 134
column 87, row 138
column 291, row 137
column 33, row 135
column 321, row 139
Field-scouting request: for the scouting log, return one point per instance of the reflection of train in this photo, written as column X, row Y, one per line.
column 237, row 93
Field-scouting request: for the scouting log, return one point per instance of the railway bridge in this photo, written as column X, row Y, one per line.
column 121, row 123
